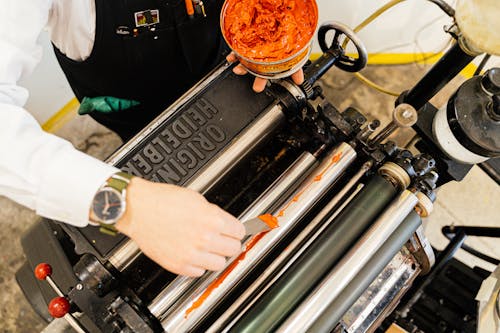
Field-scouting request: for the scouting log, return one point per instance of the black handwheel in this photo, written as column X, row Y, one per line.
column 344, row 62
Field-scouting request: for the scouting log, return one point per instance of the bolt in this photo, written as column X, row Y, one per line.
column 406, row 114
column 79, row 286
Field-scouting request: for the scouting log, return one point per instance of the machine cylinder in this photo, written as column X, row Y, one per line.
column 195, row 306
column 327, row 321
column 273, row 307
column 350, row 265
column 294, row 250
column 290, row 178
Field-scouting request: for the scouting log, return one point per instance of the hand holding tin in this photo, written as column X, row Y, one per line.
column 271, row 40
column 259, row 83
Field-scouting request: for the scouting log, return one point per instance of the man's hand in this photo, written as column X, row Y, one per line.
column 178, row 228
column 259, row 83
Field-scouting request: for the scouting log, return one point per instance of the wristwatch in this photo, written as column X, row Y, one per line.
column 109, row 203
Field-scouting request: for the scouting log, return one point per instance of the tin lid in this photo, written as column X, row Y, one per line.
column 479, row 24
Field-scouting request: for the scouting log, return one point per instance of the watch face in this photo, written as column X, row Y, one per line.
column 108, row 205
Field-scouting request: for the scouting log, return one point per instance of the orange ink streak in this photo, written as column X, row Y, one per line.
column 318, row 178
column 217, row 282
column 333, row 161
column 270, row 220
column 280, row 154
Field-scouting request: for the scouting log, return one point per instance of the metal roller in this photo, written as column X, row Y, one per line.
column 286, row 182
column 334, row 312
column 254, row 135
column 350, row 265
column 286, row 258
column 195, row 306
column 269, row 311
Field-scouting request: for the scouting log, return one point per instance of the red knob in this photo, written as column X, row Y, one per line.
column 42, row 271
column 58, row 307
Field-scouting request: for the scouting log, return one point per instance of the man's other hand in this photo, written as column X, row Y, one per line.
column 179, row 229
column 259, row 83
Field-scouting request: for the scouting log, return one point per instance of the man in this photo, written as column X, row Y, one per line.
column 141, row 55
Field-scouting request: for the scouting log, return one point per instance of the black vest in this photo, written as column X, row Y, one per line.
column 153, row 65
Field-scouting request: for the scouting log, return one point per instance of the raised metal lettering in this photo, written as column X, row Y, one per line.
column 197, row 117
column 187, row 158
column 206, row 108
column 168, row 174
column 152, row 154
column 181, row 130
column 179, row 167
column 196, row 150
column 154, row 178
column 216, row 133
column 141, row 163
column 171, row 138
column 189, row 122
column 204, row 142
column 131, row 169
column 163, row 145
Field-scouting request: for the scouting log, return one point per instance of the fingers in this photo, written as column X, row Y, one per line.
column 232, row 227
column 209, row 261
column 223, row 223
column 259, row 84
column 239, row 70
column 231, row 57
column 298, row 77
column 225, row 246
column 192, row 271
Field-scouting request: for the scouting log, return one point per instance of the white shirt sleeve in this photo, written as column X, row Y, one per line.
column 37, row 169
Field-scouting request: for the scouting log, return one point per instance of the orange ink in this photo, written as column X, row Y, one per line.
column 270, row 220
column 317, row 178
column 281, row 153
column 333, row 161
column 269, row 30
column 217, row 282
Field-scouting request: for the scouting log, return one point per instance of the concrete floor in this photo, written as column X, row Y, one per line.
column 476, row 200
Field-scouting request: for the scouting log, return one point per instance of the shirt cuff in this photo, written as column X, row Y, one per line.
column 69, row 183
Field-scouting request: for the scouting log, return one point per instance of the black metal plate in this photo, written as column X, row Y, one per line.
column 184, row 143
column 447, row 304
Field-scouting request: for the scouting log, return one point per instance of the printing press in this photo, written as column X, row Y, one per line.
column 349, row 204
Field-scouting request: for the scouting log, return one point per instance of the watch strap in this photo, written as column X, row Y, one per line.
column 108, row 229
column 119, row 181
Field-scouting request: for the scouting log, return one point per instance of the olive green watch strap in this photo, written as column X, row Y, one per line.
column 108, row 229
column 119, row 181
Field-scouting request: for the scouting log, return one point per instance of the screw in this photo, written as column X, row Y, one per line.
column 406, row 114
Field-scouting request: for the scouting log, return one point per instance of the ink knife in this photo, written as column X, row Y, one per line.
column 260, row 224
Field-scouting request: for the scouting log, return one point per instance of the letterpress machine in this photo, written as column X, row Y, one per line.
column 348, row 201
